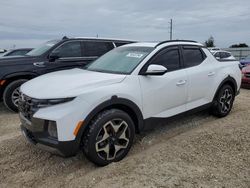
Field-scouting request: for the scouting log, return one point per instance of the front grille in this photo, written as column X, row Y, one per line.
column 27, row 106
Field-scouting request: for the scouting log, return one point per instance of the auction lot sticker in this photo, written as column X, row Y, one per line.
column 135, row 55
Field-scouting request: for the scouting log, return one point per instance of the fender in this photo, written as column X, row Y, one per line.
column 227, row 79
column 113, row 102
column 19, row 74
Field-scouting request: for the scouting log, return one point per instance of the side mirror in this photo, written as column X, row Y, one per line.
column 156, row 70
column 53, row 56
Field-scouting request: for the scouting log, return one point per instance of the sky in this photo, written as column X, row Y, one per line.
column 28, row 23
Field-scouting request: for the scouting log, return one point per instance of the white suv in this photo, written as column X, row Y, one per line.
column 223, row 55
column 100, row 108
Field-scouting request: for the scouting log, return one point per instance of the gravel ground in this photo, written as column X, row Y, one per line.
column 194, row 151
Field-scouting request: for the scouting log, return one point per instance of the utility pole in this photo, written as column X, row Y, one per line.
column 171, row 29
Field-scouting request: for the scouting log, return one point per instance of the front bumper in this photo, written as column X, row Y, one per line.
column 36, row 133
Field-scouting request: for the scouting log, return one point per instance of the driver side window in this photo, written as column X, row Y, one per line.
column 68, row 49
column 168, row 58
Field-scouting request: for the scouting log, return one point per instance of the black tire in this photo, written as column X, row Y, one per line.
column 96, row 133
column 223, row 101
column 8, row 93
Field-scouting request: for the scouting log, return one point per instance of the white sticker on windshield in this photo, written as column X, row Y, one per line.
column 135, row 55
column 50, row 44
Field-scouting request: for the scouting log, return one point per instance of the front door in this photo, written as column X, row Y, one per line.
column 165, row 95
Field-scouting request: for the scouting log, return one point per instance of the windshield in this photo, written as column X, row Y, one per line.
column 42, row 48
column 122, row 60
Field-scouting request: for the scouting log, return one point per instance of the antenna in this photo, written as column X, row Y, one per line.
column 171, row 29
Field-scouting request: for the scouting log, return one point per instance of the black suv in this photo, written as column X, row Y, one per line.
column 52, row 56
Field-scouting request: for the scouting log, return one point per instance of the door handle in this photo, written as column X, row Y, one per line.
column 181, row 82
column 211, row 73
column 39, row 64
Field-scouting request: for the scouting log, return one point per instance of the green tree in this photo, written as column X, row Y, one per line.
column 210, row 42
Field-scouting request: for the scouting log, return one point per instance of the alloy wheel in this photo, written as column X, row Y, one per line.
column 112, row 139
column 15, row 96
column 226, row 101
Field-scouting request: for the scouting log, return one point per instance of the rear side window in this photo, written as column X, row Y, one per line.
column 96, row 49
column 169, row 59
column 222, row 55
column 217, row 54
column 225, row 55
column 192, row 56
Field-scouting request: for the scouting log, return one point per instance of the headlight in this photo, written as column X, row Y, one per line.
column 41, row 103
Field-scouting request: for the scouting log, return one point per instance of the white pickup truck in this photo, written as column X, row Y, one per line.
column 99, row 109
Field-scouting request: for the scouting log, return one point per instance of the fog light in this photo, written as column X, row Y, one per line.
column 52, row 130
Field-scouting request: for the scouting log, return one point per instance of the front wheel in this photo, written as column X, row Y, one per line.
column 223, row 101
column 109, row 137
column 11, row 94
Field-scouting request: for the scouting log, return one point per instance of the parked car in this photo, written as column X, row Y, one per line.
column 246, row 76
column 246, row 61
column 214, row 49
column 2, row 51
column 223, row 55
column 98, row 109
column 52, row 56
column 17, row 52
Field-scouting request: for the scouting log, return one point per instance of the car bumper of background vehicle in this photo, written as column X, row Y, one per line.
column 245, row 82
column 37, row 134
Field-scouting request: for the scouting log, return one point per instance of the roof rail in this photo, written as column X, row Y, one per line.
column 103, row 38
column 160, row 43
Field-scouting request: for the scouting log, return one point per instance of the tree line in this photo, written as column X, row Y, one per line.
column 210, row 42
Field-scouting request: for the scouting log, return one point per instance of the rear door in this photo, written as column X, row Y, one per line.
column 201, row 74
column 94, row 49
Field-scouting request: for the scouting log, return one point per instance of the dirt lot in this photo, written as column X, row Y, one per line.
column 194, row 151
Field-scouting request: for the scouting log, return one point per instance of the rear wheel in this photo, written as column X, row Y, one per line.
column 223, row 101
column 11, row 94
column 109, row 137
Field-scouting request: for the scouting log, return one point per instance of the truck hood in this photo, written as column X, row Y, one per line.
column 68, row 83
column 16, row 59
